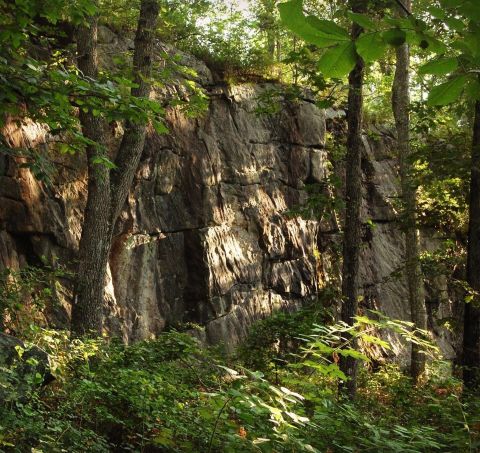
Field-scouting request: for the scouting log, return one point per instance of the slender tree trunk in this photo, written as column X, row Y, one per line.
column 401, row 107
column 93, row 251
column 131, row 148
column 271, row 44
column 267, row 12
column 471, row 335
column 107, row 192
column 279, row 46
column 353, row 194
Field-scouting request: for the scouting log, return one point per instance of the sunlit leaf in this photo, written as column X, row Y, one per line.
column 328, row 27
column 435, row 11
column 447, row 92
column 291, row 15
column 338, row 61
column 439, row 66
column 362, row 20
column 370, row 46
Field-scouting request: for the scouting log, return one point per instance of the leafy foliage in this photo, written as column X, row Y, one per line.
column 25, row 294
column 170, row 394
column 341, row 51
column 462, row 63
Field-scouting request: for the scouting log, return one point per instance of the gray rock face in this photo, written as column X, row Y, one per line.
column 383, row 256
column 205, row 236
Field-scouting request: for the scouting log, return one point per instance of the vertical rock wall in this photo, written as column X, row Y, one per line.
column 383, row 255
column 205, row 236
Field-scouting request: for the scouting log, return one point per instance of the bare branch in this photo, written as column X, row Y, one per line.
column 403, row 7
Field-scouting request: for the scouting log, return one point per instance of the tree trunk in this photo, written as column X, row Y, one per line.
column 353, row 194
column 93, row 251
column 270, row 43
column 133, row 141
column 471, row 335
column 106, row 192
column 401, row 107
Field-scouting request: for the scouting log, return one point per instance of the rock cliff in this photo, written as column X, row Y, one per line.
column 206, row 236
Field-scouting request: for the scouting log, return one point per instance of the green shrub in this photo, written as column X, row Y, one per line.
column 25, row 294
column 171, row 395
column 272, row 341
column 162, row 395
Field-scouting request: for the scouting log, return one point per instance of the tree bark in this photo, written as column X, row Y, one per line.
column 93, row 249
column 133, row 141
column 471, row 335
column 401, row 107
column 353, row 194
column 107, row 192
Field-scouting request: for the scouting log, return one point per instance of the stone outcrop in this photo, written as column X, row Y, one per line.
column 28, row 360
column 205, row 236
column 382, row 258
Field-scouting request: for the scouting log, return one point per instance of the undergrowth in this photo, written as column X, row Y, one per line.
column 171, row 395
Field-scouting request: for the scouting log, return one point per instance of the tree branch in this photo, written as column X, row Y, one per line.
column 403, row 7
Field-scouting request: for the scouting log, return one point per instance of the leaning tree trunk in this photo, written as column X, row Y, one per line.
column 107, row 192
column 471, row 335
column 353, row 193
column 133, row 140
column 401, row 106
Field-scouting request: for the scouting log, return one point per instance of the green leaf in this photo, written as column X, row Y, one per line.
column 291, row 15
column 159, row 127
column 354, row 354
column 324, row 103
column 472, row 89
column 413, row 38
column 103, row 160
column 433, row 44
column 455, row 23
column 338, row 61
column 38, row 378
column 90, row 7
column 328, row 27
column 19, row 350
column 260, row 440
column 472, row 41
column 471, row 9
column 375, row 340
column 447, row 92
column 435, row 11
column 395, row 37
column 462, row 46
column 370, row 46
column 450, row 3
column 399, row 23
column 364, row 21
column 439, row 66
